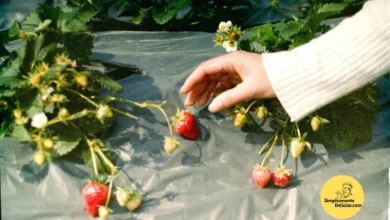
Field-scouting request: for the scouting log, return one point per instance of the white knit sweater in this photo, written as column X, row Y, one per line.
column 354, row 53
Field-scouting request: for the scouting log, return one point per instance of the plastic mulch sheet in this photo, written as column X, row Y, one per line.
column 209, row 178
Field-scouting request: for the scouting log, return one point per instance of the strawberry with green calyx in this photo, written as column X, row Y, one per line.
column 95, row 195
column 170, row 144
column 297, row 146
column 134, row 202
column 261, row 175
column 104, row 212
column 184, row 124
column 281, row 176
column 316, row 122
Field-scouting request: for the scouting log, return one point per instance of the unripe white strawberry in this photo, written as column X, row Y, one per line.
column 297, row 146
column 240, row 119
column 104, row 212
column 170, row 144
column 262, row 112
column 134, row 202
column 315, row 123
column 122, row 196
column 39, row 158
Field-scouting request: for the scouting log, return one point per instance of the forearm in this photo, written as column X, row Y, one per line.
column 351, row 55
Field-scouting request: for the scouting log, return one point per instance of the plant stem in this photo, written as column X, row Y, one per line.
column 267, row 143
column 283, row 148
column 109, row 190
column 125, row 113
column 298, row 131
column 167, row 119
column 270, row 150
column 141, row 105
column 83, row 96
column 250, row 105
column 2, row 59
column 93, row 156
column 114, row 170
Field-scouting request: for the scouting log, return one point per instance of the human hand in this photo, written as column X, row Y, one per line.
column 241, row 69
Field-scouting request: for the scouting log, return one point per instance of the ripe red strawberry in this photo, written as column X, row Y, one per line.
column 281, row 176
column 94, row 195
column 185, row 125
column 261, row 175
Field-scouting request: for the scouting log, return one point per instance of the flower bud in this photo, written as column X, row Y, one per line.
column 63, row 113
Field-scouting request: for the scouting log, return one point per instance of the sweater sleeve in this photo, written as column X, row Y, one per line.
column 354, row 53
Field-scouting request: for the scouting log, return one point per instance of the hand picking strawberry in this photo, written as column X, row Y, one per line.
column 185, row 125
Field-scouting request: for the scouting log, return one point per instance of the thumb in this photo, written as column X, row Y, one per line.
column 230, row 97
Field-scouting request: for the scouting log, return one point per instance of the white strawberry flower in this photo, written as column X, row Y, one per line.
column 39, row 120
column 230, row 46
column 43, row 25
column 46, row 93
column 224, row 26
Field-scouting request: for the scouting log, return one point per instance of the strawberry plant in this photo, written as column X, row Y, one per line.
column 341, row 124
column 50, row 100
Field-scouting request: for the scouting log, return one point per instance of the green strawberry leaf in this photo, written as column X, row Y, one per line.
column 78, row 46
column 106, row 82
column 31, row 22
column 13, row 31
column 352, row 119
column 21, row 133
column 162, row 17
column 7, row 92
column 67, row 141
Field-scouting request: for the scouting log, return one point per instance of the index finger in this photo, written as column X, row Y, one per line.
column 217, row 65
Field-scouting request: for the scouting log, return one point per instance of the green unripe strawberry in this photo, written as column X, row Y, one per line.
column 48, row 143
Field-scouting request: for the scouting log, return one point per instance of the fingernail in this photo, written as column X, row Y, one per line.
column 214, row 106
